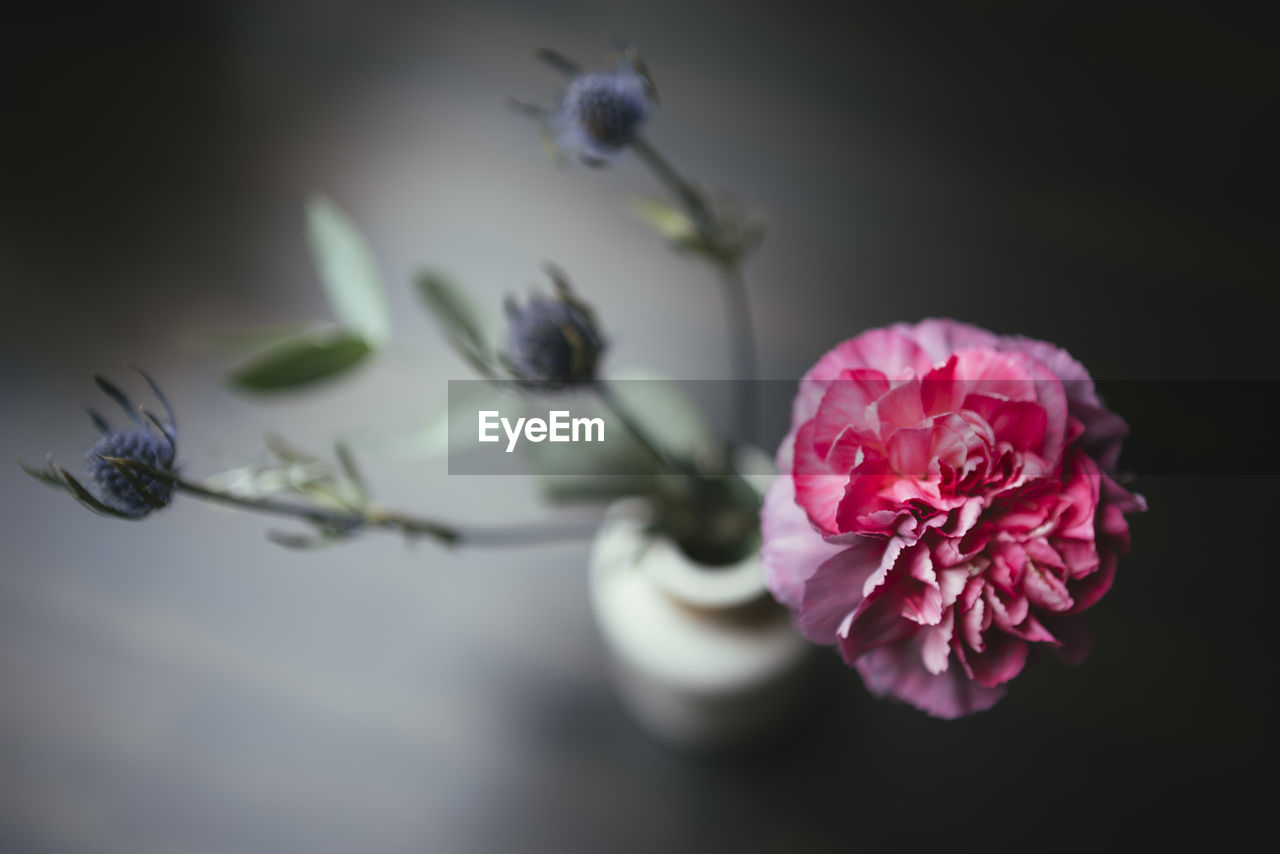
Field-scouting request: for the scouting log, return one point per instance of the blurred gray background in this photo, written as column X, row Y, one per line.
column 1099, row 177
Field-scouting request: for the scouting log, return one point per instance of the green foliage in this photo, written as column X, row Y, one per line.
column 458, row 321
column 300, row 362
column 292, row 471
column 347, row 271
column 725, row 236
column 288, row 356
column 243, row 342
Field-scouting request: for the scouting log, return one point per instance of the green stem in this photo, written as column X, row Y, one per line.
column 737, row 304
column 743, row 343
column 351, row 521
column 610, row 399
column 684, row 190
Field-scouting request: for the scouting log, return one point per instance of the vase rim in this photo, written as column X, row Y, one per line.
column 712, row 586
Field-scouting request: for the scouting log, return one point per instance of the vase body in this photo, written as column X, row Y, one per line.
column 701, row 657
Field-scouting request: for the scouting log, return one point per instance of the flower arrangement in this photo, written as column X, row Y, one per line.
column 946, row 500
column 948, row 506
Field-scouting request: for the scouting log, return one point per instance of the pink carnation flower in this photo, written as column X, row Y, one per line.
column 946, row 503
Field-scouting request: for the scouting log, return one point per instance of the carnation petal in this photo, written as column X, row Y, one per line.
column 899, row 671
column 792, row 549
column 1103, row 434
column 908, row 451
column 1032, row 630
column 1094, row 586
column 918, row 589
column 1045, row 590
column 886, row 350
column 819, row 489
column 892, row 548
column 961, row 519
column 951, row 582
column 1080, row 558
column 1021, row 423
column 846, row 404
column 935, row 645
column 989, row 373
column 1103, row 429
column 973, row 622
column 901, row 406
column 1081, row 491
column 940, row 389
column 941, row 337
column 862, row 506
column 834, row 590
column 876, row 621
column 1002, row 659
column 1007, row 610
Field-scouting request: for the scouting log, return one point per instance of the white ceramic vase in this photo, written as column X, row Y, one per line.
column 702, row 657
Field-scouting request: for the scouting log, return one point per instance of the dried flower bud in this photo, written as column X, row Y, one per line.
column 552, row 341
column 116, row 491
column 601, row 113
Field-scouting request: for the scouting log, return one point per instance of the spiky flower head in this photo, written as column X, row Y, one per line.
column 552, row 341
column 602, row 112
column 133, row 469
column 132, row 491
column 130, row 466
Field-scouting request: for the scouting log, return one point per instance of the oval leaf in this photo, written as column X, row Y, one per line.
column 457, row 319
column 242, row 342
column 298, row 363
column 347, row 271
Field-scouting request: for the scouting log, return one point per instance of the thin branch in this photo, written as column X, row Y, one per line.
column 743, row 346
column 615, row 405
column 349, row 522
column 737, row 303
column 685, row 191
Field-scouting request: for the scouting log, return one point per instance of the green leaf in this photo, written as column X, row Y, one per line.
column 258, row 481
column 347, row 460
column 288, row 453
column 242, row 342
column 347, row 271
column 668, row 220
column 301, row 362
column 314, row 479
column 457, row 319
column 303, row 542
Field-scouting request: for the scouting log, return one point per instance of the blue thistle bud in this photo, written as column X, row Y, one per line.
column 133, row 468
column 602, row 112
column 121, row 491
column 552, row 341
